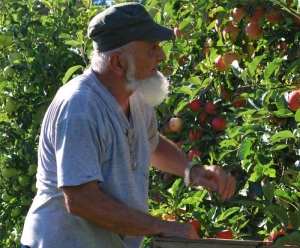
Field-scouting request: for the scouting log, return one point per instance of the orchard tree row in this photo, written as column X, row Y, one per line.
column 234, row 100
column 42, row 43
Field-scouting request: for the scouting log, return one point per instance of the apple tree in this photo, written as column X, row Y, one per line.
column 42, row 44
column 234, row 101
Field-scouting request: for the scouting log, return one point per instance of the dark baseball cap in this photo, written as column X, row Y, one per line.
column 122, row 23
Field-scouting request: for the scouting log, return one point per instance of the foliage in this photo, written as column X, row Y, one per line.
column 44, row 43
column 260, row 145
column 39, row 42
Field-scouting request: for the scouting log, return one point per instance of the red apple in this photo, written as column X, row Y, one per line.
column 293, row 100
column 238, row 102
column 220, row 64
column 167, row 70
column 282, row 46
column 166, row 176
column 180, row 143
column 274, row 234
column 211, row 108
column 297, row 21
column 167, row 130
column 203, row 118
column 181, row 60
column 175, row 124
column 239, row 13
column 224, row 94
column 274, row 16
column 195, row 105
column 218, row 123
column 230, row 32
column 253, row 31
column 177, row 32
column 229, row 57
column 196, row 224
column 195, row 135
column 257, row 15
column 194, row 152
column 225, row 234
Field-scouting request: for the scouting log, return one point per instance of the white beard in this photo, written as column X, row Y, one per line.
column 153, row 89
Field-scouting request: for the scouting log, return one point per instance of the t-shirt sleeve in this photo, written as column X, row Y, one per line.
column 78, row 151
column 153, row 135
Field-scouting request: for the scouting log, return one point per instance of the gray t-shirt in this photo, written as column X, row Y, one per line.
column 85, row 136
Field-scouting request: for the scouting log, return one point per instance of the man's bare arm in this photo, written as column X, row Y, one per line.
column 90, row 203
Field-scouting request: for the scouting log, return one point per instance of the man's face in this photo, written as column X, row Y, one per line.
column 154, row 88
column 147, row 56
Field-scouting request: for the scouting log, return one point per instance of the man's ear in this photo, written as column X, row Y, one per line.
column 117, row 64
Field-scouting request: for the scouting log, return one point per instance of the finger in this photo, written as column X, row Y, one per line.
column 202, row 181
column 222, row 185
column 233, row 186
column 230, row 188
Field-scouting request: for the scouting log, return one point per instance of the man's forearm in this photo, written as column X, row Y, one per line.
column 88, row 202
column 167, row 157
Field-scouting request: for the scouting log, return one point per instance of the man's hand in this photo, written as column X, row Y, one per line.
column 214, row 178
column 179, row 230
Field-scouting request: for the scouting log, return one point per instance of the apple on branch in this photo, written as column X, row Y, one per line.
column 225, row 234
column 237, row 103
column 211, row 108
column 176, row 124
column 253, row 31
column 274, row 16
column 258, row 13
column 220, row 64
column 195, row 135
column 230, row 33
column 218, row 123
column 229, row 57
column 195, row 105
column 194, row 152
column 293, row 100
column 239, row 13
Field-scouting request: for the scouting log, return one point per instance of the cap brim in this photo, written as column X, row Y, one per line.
column 157, row 33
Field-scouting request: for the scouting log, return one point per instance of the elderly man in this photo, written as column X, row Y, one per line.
column 98, row 138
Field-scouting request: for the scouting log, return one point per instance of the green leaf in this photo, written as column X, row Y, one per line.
column 283, row 113
column 244, row 200
column 278, row 147
column 185, row 22
column 295, row 219
column 194, row 80
column 228, row 143
column 293, row 66
column 195, row 199
column 280, row 193
column 74, row 43
column 176, row 188
column 268, row 191
column 253, row 65
column 293, row 238
column 272, row 67
column 70, row 72
column 185, row 90
column 279, row 212
column 181, row 105
column 228, row 212
column 286, row 134
column 270, row 172
column 245, row 149
column 297, row 116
